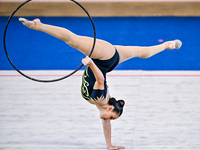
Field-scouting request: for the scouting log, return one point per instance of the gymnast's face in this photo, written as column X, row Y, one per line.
column 108, row 114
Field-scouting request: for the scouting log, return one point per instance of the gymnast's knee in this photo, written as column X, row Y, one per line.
column 146, row 53
column 72, row 41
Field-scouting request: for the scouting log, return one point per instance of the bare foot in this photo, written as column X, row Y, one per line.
column 31, row 24
column 176, row 44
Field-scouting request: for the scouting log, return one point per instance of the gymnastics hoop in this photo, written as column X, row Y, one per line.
column 54, row 80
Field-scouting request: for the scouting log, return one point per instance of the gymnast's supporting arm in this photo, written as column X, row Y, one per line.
column 107, row 133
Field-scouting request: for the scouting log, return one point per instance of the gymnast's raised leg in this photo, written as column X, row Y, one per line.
column 128, row 52
column 103, row 50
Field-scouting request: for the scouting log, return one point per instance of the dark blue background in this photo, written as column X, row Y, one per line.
column 33, row 50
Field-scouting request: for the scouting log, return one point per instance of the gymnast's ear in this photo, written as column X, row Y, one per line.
column 122, row 103
column 110, row 107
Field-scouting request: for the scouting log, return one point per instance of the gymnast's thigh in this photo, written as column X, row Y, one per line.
column 103, row 50
column 128, row 52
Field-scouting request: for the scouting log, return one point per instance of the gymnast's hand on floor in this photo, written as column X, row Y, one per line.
column 87, row 61
column 116, row 147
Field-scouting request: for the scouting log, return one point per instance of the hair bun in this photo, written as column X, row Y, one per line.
column 122, row 103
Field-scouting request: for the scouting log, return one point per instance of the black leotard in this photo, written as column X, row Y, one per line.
column 88, row 78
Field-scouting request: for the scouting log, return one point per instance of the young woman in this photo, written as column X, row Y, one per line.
column 105, row 58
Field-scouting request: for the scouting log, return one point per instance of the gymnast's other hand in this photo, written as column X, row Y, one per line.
column 87, row 61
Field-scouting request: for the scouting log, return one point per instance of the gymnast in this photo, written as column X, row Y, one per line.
column 104, row 58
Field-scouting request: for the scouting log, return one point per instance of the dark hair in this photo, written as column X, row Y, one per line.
column 118, row 105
